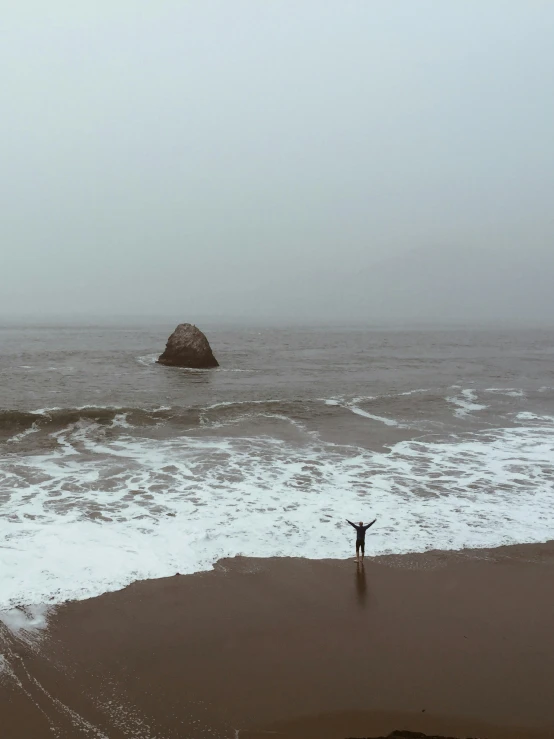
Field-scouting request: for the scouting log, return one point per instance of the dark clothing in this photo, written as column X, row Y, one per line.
column 360, row 544
column 360, row 530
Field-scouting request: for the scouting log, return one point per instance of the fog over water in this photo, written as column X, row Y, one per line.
column 357, row 161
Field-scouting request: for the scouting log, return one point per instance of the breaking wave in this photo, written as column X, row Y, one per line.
column 97, row 510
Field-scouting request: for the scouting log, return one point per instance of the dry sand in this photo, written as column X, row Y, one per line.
column 452, row 643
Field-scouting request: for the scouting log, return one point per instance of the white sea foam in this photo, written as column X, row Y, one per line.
column 19, row 437
column 230, row 403
column 121, row 421
column 148, row 359
column 25, row 621
column 381, row 419
column 527, row 416
column 465, row 402
column 510, row 392
column 415, row 392
column 98, row 512
column 352, row 405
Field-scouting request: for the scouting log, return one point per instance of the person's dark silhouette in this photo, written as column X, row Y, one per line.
column 360, row 536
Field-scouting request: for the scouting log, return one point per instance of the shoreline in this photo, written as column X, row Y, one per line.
column 452, row 643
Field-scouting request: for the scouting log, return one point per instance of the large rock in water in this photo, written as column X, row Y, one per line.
column 188, row 347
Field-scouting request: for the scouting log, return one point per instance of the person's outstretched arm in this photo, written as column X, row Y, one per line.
column 369, row 524
column 352, row 524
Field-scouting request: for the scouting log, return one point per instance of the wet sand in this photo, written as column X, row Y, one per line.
column 460, row 644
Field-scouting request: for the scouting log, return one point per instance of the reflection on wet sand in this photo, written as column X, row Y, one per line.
column 361, row 584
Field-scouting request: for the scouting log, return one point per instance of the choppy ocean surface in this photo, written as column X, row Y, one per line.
column 113, row 468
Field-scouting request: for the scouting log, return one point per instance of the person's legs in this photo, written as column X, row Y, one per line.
column 362, row 547
column 357, row 550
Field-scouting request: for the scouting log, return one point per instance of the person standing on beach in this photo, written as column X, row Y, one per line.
column 360, row 536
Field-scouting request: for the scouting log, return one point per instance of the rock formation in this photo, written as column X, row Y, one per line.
column 188, row 347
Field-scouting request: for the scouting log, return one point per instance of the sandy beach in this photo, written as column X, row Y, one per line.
column 459, row 644
column 268, row 270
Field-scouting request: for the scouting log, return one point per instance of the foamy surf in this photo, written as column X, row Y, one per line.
column 353, row 407
column 19, row 437
column 26, row 621
column 465, row 403
column 104, row 507
column 373, row 417
column 150, row 360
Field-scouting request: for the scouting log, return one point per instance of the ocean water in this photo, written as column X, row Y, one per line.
column 114, row 468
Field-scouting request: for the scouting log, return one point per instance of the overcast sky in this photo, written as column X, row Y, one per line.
column 242, row 156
